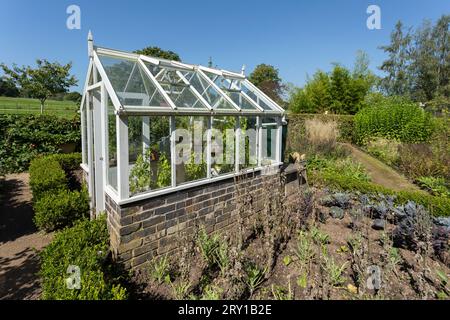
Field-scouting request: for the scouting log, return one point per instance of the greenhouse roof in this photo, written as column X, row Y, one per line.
column 138, row 84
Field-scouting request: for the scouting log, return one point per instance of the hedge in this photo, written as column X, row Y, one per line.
column 57, row 210
column 438, row 206
column 86, row 246
column 55, row 205
column 23, row 137
column 46, row 175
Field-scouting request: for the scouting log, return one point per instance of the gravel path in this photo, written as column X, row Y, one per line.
column 19, row 241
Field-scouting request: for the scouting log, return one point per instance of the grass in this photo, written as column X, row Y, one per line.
column 65, row 109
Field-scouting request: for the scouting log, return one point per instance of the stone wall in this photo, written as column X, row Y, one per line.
column 152, row 227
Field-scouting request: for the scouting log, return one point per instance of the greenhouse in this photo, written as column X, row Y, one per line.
column 152, row 126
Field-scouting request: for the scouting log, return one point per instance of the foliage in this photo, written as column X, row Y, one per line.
column 209, row 245
column 211, row 292
column 54, row 204
column 149, row 172
column 254, row 276
column 159, row 53
column 267, row 79
column 61, row 208
column 418, row 63
column 393, row 118
column 384, row 149
column 341, row 166
column 340, row 91
column 22, row 138
column 180, row 289
column 42, row 82
column 334, row 271
column 436, row 186
column 159, row 269
column 421, row 159
column 304, row 250
column 73, row 96
column 297, row 132
column 438, row 206
column 193, row 169
column 85, row 245
column 46, row 176
column 8, row 88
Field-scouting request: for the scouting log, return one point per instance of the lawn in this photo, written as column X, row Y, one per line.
column 65, row 109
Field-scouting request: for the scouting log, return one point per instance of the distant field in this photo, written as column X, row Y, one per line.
column 65, row 109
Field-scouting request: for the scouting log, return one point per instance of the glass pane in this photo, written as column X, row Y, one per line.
column 269, row 140
column 223, row 145
column 112, row 146
column 240, row 100
column 248, row 148
column 131, row 84
column 190, row 149
column 254, row 97
column 149, row 153
column 211, row 95
column 180, row 93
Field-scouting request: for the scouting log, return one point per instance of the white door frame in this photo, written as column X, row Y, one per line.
column 96, row 166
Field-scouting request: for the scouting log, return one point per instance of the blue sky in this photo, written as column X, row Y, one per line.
column 297, row 37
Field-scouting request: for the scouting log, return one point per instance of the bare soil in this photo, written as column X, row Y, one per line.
column 20, row 241
column 403, row 274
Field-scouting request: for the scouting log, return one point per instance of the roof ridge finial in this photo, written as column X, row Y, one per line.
column 243, row 69
column 90, row 44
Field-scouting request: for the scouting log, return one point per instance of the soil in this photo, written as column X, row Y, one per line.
column 409, row 276
column 379, row 172
column 19, row 241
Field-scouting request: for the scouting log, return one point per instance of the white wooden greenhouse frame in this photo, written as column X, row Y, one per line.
column 101, row 94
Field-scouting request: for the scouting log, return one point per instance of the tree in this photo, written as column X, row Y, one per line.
column 266, row 78
column 8, row 88
column 340, row 91
column 418, row 64
column 47, row 79
column 397, row 81
column 157, row 52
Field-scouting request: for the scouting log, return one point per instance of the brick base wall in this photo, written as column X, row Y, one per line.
column 152, row 227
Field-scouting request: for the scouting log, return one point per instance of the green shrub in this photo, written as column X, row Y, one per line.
column 54, row 204
column 68, row 161
column 46, row 175
column 436, row 186
column 85, row 245
column 59, row 209
column 393, row 118
column 438, row 206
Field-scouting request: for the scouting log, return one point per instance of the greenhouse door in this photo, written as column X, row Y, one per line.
column 97, row 189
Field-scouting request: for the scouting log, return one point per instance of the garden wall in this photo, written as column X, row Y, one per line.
column 149, row 228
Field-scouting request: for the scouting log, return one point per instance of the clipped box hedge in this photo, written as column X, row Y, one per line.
column 86, row 246
column 57, row 210
column 46, row 176
column 55, row 205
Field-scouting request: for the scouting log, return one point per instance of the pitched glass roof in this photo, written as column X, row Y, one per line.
column 147, row 84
